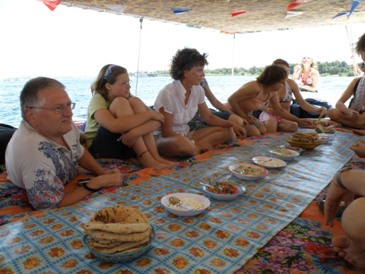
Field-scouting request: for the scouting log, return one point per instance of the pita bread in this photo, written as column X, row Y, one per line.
column 118, row 229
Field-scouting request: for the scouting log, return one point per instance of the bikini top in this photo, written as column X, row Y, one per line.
column 309, row 80
column 288, row 94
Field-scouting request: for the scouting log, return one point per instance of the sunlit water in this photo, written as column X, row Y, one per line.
column 147, row 89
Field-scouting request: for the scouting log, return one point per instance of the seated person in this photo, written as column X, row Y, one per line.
column 345, row 186
column 306, row 75
column 180, row 100
column 359, row 69
column 221, row 110
column 6, row 131
column 354, row 115
column 275, row 123
column 44, row 153
column 119, row 125
column 256, row 94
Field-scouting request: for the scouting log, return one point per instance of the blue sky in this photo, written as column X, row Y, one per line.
column 76, row 42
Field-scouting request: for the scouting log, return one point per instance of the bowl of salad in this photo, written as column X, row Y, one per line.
column 223, row 191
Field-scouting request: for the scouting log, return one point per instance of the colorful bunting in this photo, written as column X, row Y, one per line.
column 296, row 3
column 51, row 4
column 292, row 14
column 238, row 12
column 180, row 11
column 354, row 5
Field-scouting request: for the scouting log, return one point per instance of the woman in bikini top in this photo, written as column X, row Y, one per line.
column 307, row 76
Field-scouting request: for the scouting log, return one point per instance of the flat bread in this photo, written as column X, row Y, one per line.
column 118, row 229
column 105, row 235
column 122, row 248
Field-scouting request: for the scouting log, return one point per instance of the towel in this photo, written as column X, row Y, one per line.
column 357, row 103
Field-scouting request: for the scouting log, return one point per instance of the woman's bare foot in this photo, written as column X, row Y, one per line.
column 350, row 251
column 146, row 159
column 167, row 162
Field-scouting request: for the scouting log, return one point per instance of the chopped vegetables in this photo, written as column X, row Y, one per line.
column 223, row 188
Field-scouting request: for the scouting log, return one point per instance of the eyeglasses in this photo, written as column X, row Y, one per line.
column 59, row 109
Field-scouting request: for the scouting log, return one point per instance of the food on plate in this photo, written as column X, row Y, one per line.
column 325, row 129
column 249, row 170
column 189, row 202
column 118, row 229
column 268, row 162
column 284, row 152
column 304, row 137
column 223, row 188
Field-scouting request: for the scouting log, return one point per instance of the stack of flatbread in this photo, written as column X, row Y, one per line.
column 118, row 229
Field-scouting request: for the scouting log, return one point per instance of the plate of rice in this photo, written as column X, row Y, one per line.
column 197, row 203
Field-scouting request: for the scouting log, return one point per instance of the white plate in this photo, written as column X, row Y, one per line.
column 268, row 162
column 248, row 171
column 284, row 153
column 182, row 211
column 224, row 197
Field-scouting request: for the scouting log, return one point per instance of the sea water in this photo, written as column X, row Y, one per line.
column 147, row 89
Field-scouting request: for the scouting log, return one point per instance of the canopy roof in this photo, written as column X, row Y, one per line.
column 236, row 16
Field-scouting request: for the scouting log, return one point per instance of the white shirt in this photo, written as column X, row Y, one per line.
column 172, row 99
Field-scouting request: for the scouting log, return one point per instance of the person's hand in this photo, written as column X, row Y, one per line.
column 112, row 171
column 251, row 119
column 335, row 195
column 240, row 131
column 127, row 138
column 350, row 113
column 306, row 122
column 157, row 116
column 322, row 111
column 359, row 149
column 204, row 146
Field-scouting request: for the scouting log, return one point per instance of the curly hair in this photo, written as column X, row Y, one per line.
column 360, row 46
column 107, row 74
column 271, row 75
column 186, row 59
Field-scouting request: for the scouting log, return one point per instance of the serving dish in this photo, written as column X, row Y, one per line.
column 223, row 191
column 120, row 257
column 248, row 171
column 285, row 153
column 269, row 162
column 305, row 146
column 186, row 198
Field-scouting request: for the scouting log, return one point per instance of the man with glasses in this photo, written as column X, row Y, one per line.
column 45, row 153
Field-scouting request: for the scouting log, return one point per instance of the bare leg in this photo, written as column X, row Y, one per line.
column 352, row 246
column 271, row 125
column 121, row 107
column 177, row 146
column 213, row 135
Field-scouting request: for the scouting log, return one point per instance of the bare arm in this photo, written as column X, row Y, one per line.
column 246, row 92
column 213, row 100
column 123, row 124
column 113, row 179
column 166, row 129
column 346, row 95
column 274, row 103
column 303, row 103
column 213, row 120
